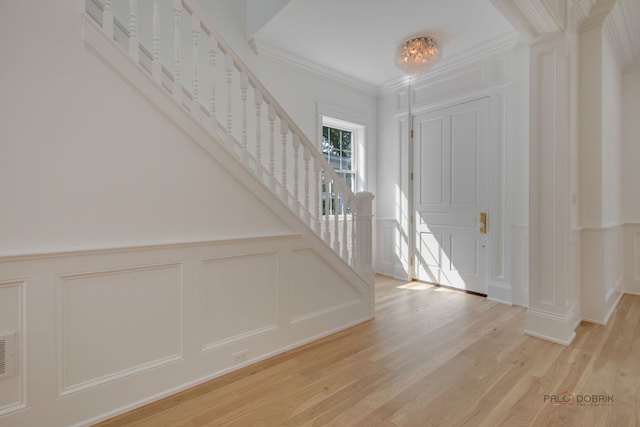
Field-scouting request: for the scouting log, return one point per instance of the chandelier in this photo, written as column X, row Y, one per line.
column 417, row 55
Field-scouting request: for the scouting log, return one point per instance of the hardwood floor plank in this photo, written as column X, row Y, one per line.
column 431, row 357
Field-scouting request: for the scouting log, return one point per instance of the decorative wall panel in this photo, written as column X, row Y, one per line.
column 116, row 323
column 318, row 293
column 239, row 298
column 12, row 303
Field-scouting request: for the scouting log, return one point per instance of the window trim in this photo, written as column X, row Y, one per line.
column 351, row 122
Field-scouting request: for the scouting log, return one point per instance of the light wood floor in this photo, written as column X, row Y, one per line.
column 431, row 357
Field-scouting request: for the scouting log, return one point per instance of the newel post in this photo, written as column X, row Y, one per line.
column 364, row 240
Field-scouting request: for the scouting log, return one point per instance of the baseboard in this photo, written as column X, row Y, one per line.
column 384, row 268
column 500, row 292
column 400, row 273
column 213, row 376
column 612, row 302
column 552, row 327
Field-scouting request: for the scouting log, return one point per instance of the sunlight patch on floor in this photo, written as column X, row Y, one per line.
column 445, row 289
column 421, row 286
column 416, row 286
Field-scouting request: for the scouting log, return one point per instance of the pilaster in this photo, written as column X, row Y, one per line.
column 599, row 151
column 554, row 300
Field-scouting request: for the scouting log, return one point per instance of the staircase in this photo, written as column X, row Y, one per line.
column 228, row 101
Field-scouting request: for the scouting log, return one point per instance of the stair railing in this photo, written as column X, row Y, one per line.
column 214, row 86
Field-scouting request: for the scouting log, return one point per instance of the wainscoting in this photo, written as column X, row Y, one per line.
column 602, row 272
column 632, row 259
column 385, row 248
column 102, row 332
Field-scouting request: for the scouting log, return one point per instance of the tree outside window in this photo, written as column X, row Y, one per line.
column 337, row 148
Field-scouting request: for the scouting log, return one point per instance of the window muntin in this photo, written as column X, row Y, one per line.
column 338, row 149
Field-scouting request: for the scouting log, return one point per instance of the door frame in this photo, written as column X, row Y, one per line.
column 411, row 115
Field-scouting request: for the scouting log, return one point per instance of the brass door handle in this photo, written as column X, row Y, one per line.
column 483, row 223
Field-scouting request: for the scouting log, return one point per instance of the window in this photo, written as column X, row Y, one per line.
column 337, row 148
column 340, row 145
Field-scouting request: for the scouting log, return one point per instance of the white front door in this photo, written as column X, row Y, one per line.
column 450, row 193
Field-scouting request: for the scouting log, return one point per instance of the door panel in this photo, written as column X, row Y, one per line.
column 450, row 190
column 464, row 158
column 464, row 254
column 429, row 257
column 431, row 157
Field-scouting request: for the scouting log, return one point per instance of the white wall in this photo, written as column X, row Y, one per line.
column 631, row 175
column 260, row 12
column 113, row 202
column 600, row 132
column 519, row 142
column 86, row 162
column 518, row 176
column 392, row 201
column 95, row 162
column 590, row 123
column 631, row 143
column 603, row 235
column 611, row 136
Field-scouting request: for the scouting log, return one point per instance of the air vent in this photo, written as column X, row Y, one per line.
column 7, row 355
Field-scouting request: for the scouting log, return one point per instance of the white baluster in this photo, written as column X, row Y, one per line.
column 134, row 49
column 229, row 78
column 107, row 18
column 326, row 194
column 296, row 173
column 156, row 68
column 336, row 224
column 195, row 41
column 345, row 245
column 258, row 99
column 272, row 161
column 244, row 85
column 212, row 60
column 307, row 208
column 318, row 197
column 284, row 130
column 177, row 84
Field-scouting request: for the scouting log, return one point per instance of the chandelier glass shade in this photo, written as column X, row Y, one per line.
column 417, row 55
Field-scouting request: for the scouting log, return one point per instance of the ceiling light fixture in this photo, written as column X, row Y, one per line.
column 417, row 55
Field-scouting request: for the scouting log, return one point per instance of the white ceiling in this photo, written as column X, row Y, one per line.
column 358, row 38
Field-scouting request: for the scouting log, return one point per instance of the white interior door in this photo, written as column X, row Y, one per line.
column 450, row 192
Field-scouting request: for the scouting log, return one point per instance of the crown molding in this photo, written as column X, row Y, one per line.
column 598, row 13
column 619, row 22
column 534, row 18
column 583, row 9
column 543, row 16
column 469, row 56
column 517, row 18
column 478, row 52
column 270, row 51
column 622, row 27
